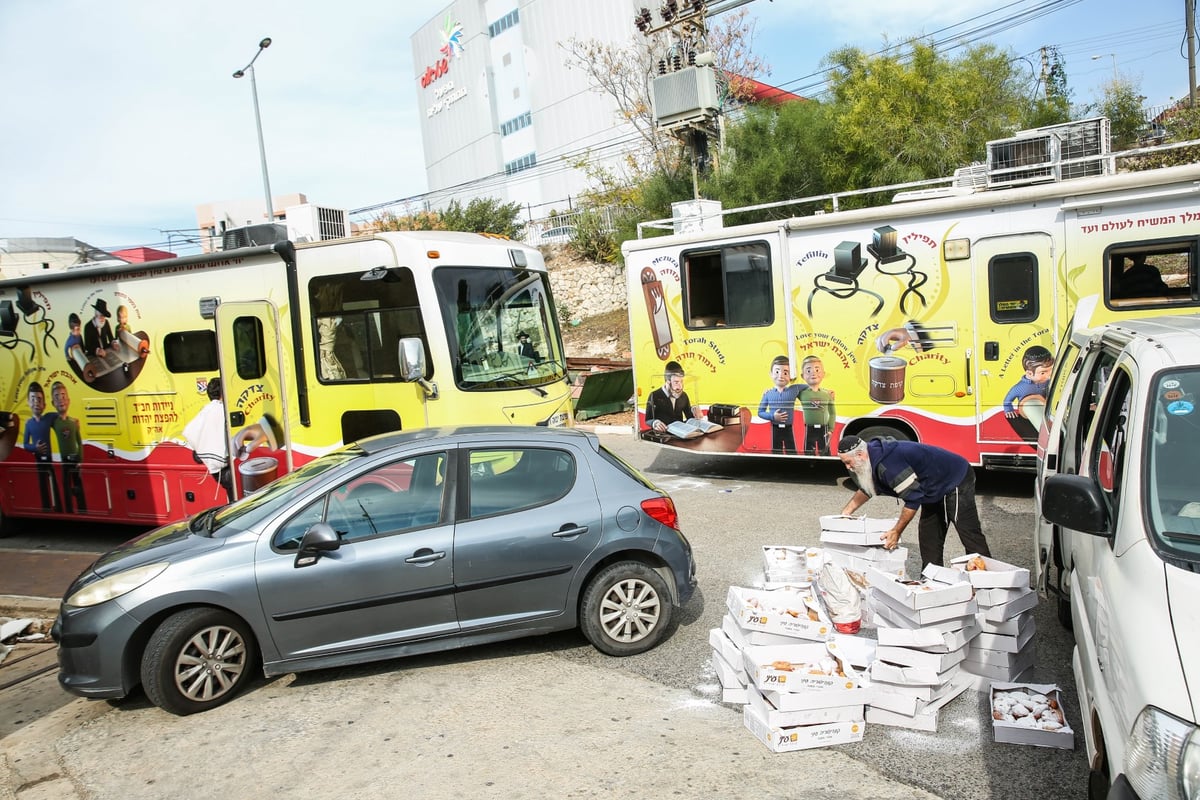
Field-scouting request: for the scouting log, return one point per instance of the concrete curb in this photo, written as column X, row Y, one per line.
column 619, row 429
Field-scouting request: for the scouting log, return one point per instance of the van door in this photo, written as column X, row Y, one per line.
column 250, row 355
column 1014, row 344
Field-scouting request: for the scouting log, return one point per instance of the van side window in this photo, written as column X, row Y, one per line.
column 191, row 351
column 728, row 286
column 1110, row 450
column 1013, row 288
column 358, row 324
column 1091, row 388
column 1152, row 274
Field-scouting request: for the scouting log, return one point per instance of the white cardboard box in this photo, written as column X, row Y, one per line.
column 729, row 675
column 924, row 694
column 982, row 683
column 1009, row 627
column 743, row 638
column 857, row 648
column 898, row 617
column 918, row 595
column 812, row 716
column 998, row 574
column 843, row 522
column 1013, row 733
column 862, row 538
column 908, row 657
column 920, row 618
column 893, row 563
column 800, row 737
column 1008, row 610
column 1010, row 644
column 999, row 658
column 986, row 598
column 762, row 670
column 926, row 718
column 802, row 561
column 1001, row 672
column 780, row 611
column 725, row 647
column 736, row 697
column 868, row 553
column 809, row 701
column 910, row 676
column 930, row 639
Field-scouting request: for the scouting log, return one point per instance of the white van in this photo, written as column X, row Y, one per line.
column 1118, row 540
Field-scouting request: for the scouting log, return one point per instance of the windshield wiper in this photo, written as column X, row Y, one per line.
column 514, row 379
column 203, row 522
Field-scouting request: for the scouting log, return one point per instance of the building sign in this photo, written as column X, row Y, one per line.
column 452, row 47
column 446, row 96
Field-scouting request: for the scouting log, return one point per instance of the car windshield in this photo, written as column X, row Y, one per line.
column 258, row 506
column 502, row 330
column 1174, row 440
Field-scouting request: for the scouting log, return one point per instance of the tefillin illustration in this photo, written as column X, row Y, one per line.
column 884, row 249
column 842, row 280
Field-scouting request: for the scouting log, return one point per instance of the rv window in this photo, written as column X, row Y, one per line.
column 249, row 348
column 1145, row 276
column 191, row 351
column 730, row 286
column 1013, row 288
column 359, row 324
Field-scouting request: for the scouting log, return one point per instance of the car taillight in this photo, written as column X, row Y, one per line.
column 662, row 509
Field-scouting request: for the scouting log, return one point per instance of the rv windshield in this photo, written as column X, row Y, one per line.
column 501, row 327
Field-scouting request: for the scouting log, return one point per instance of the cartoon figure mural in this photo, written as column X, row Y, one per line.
column 820, row 416
column 1025, row 403
column 37, row 441
column 70, row 447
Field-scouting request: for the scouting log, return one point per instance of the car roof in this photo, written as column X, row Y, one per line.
column 1176, row 337
column 476, row 434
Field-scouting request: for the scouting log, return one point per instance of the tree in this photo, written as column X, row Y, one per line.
column 914, row 113
column 1122, row 104
column 1054, row 106
column 484, row 215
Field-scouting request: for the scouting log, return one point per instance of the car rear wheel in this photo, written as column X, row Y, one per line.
column 197, row 659
column 626, row 609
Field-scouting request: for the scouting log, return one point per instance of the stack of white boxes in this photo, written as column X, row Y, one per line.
column 854, row 543
column 924, row 630
column 1004, row 649
column 777, row 653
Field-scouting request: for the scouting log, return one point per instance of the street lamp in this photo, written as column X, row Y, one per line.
column 1113, row 56
column 262, row 150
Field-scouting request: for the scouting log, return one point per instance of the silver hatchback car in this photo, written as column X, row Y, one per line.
column 399, row 544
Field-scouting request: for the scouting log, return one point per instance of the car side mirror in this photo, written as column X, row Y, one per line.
column 1075, row 502
column 412, row 365
column 320, row 538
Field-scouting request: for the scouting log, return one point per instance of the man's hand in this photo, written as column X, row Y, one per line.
column 658, row 425
column 891, row 539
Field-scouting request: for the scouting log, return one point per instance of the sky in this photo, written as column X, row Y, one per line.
column 122, row 116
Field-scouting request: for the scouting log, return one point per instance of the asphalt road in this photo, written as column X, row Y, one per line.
column 552, row 716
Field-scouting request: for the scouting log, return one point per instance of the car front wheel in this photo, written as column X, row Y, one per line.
column 626, row 609
column 197, row 659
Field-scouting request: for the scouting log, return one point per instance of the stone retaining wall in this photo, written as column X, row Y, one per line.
column 584, row 289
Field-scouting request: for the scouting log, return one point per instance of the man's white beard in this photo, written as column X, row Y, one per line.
column 862, row 475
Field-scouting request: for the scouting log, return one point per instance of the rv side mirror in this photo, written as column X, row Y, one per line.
column 1075, row 502
column 412, row 359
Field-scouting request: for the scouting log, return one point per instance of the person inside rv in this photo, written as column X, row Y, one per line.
column 526, row 349
column 669, row 403
column 1139, row 279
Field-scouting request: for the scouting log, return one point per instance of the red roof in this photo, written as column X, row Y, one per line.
column 765, row 93
column 138, row 255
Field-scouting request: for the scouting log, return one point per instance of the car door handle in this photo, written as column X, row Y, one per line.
column 570, row 531
column 425, row 556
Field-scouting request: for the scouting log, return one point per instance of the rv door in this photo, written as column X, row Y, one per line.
column 251, row 364
column 1014, row 335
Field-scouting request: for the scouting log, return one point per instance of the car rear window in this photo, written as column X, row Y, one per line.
column 624, row 466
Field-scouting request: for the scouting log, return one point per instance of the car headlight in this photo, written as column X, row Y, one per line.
column 114, row 586
column 1164, row 757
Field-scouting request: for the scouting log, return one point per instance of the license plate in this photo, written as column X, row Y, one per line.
column 559, row 420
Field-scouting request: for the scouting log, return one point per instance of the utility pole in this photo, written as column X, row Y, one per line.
column 1046, row 71
column 1189, row 11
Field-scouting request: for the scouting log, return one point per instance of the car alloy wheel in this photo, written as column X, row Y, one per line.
column 626, row 609
column 197, row 660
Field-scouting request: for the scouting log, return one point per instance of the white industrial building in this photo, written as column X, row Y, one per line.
column 501, row 114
